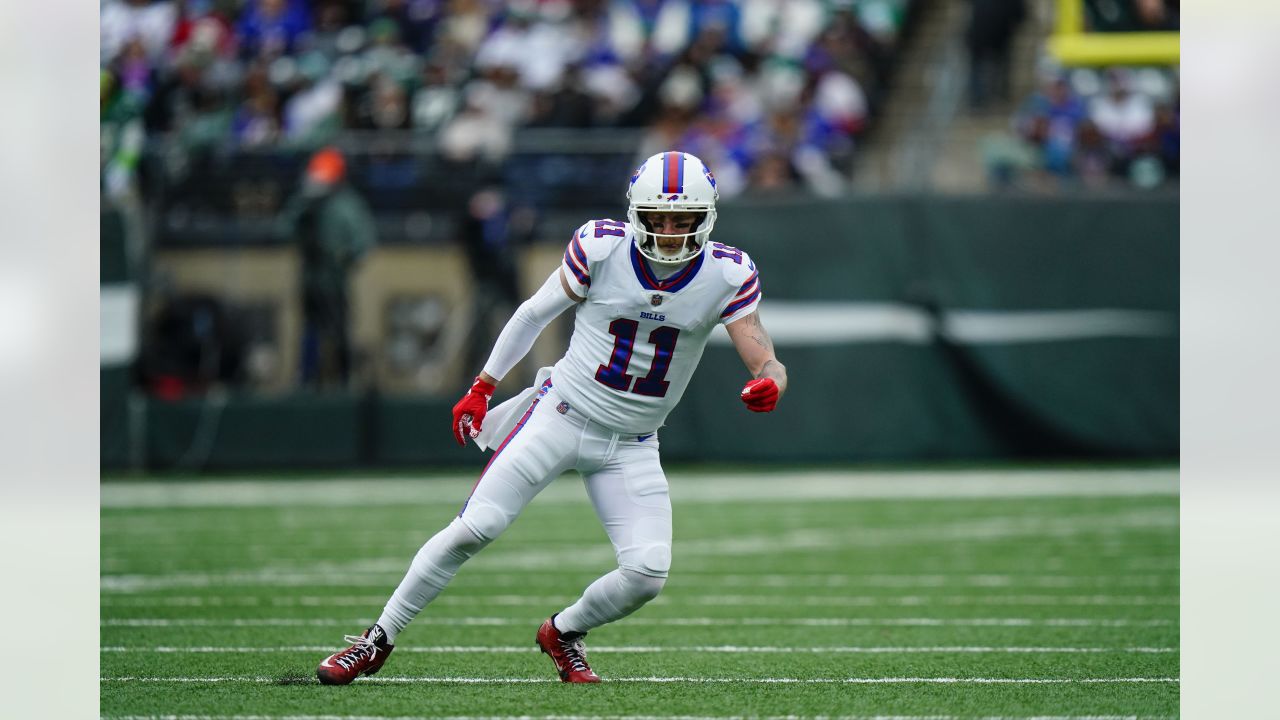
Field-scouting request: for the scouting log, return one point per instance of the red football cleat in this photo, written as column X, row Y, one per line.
column 568, row 653
column 365, row 657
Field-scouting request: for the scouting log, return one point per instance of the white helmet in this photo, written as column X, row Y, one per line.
column 672, row 182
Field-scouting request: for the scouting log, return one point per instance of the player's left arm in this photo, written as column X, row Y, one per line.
column 755, row 347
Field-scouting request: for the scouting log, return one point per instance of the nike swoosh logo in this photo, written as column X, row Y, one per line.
column 583, row 234
column 642, row 438
column 326, row 662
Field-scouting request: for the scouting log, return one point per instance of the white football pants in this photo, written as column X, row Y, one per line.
column 624, row 480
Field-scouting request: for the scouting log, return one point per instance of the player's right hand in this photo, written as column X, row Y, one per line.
column 468, row 414
column 760, row 395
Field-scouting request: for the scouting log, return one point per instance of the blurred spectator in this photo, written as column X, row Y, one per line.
column 1158, row 14
column 122, row 135
column 1123, row 117
column 1131, row 15
column 257, row 120
column 329, row 34
column 1092, row 161
column 485, row 230
column 568, row 105
column 271, row 27
column 133, row 69
column 783, row 27
column 194, row 343
column 534, row 51
column 390, row 110
column 991, row 27
column 311, row 114
column 465, row 25
column 1165, row 139
column 415, row 20
column 1049, row 120
column 333, row 228
column 477, row 133
column 202, row 26
column 123, row 21
column 437, row 98
column 772, row 173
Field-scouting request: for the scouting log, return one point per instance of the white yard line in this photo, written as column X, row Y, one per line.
column 755, row 486
column 690, row 621
column 477, row 577
column 377, row 576
column 651, row 649
column 504, row 600
column 638, row 717
column 697, row 680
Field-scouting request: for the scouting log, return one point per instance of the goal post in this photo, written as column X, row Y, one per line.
column 1072, row 45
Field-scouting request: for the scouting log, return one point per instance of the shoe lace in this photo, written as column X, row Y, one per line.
column 361, row 648
column 575, row 651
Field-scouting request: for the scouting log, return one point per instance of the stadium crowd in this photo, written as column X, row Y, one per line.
column 1093, row 129
column 770, row 92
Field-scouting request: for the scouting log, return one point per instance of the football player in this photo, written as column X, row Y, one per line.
column 647, row 294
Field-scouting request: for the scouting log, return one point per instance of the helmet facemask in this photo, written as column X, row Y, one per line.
column 694, row 240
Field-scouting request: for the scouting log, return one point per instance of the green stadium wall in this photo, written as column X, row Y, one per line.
column 1003, row 388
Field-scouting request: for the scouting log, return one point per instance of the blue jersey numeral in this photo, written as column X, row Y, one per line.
column 615, row 373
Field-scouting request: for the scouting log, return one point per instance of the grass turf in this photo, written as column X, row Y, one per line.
column 776, row 606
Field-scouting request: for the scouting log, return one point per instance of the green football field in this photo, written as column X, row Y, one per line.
column 896, row 595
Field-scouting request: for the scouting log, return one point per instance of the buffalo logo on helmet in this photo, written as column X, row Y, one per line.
column 636, row 176
column 710, row 178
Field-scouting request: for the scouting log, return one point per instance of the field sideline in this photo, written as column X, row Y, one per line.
column 906, row 595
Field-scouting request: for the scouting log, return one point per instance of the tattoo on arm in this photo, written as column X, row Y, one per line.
column 761, row 337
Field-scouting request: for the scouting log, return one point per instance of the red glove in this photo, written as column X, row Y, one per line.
column 760, row 395
column 468, row 414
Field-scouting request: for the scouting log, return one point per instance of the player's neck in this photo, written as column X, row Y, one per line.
column 662, row 271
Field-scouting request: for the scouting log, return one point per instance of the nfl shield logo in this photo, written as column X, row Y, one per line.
column 655, row 300
column 562, row 408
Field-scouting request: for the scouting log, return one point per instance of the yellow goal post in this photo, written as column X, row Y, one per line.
column 1072, row 45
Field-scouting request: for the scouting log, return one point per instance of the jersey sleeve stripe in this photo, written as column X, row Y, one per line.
column 570, row 262
column 737, row 305
column 746, row 289
column 747, row 285
column 578, row 252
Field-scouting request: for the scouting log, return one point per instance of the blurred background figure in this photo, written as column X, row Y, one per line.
column 333, row 229
column 122, row 135
column 992, row 24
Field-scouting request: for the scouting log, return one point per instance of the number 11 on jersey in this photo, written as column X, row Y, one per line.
column 615, row 373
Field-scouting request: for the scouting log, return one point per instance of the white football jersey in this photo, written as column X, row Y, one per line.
column 637, row 339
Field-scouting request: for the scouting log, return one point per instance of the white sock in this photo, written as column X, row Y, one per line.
column 611, row 597
column 431, row 570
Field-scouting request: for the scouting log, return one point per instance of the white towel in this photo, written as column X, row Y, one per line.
column 500, row 420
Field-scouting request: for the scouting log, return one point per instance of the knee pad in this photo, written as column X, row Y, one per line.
column 460, row 538
column 484, row 520
column 653, row 559
column 640, row 587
